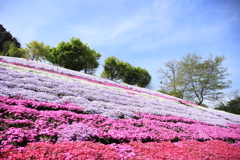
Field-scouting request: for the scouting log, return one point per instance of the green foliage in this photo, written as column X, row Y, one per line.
column 9, row 46
column 136, row 76
column 5, row 48
column 204, row 105
column 15, row 52
column 131, row 75
column 172, row 79
column 162, row 91
column 4, row 37
column 74, row 55
column 204, row 78
column 104, row 74
column 196, row 79
column 113, row 68
column 232, row 106
column 91, row 61
column 36, row 50
column 177, row 94
column 144, row 77
column 9, row 49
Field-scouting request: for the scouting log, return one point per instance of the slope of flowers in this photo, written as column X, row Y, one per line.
column 70, row 115
column 96, row 98
column 79, row 75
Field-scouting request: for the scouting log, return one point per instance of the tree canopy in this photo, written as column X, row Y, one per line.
column 6, row 39
column 136, row 76
column 131, row 75
column 115, row 69
column 5, row 48
column 233, row 106
column 171, row 79
column 36, row 50
column 16, row 52
column 91, row 61
column 144, row 78
column 74, row 55
column 195, row 78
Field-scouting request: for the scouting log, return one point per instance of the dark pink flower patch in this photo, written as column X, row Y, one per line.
column 187, row 150
column 65, row 150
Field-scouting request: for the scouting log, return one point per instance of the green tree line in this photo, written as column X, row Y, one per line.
column 232, row 106
column 115, row 69
column 74, row 55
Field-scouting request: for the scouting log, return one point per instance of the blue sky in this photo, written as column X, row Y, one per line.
column 145, row 33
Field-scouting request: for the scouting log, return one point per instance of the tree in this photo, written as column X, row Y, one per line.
column 15, row 52
column 9, row 49
column 198, row 79
column 91, row 61
column 5, row 48
column 144, row 78
column 74, row 55
column 130, row 75
column 36, row 50
column 6, row 36
column 113, row 68
column 135, row 76
column 233, row 106
column 204, row 78
column 171, row 79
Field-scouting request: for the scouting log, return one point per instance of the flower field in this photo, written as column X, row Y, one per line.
column 48, row 112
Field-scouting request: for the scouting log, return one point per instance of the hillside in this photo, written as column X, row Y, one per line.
column 60, row 113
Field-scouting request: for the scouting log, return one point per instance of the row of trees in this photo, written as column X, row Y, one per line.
column 9, row 46
column 115, row 69
column 74, row 55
